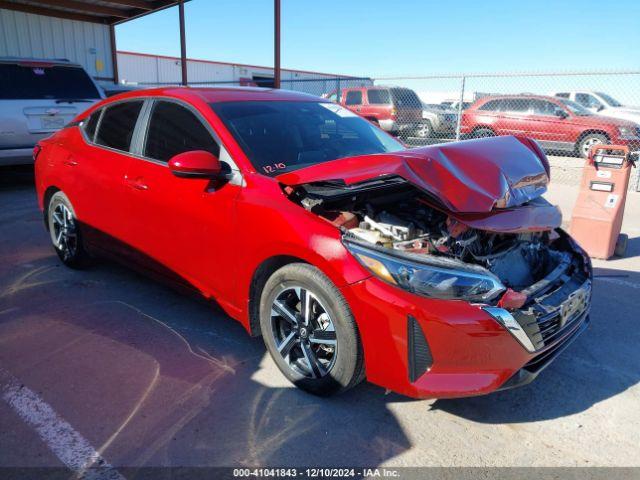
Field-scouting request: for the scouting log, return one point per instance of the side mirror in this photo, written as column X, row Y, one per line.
column 560, row 113
column 600, row 108
column 195, row 164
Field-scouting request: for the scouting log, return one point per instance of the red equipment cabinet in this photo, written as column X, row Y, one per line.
column 597, row 215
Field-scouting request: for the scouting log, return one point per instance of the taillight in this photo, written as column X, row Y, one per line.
column 36, row 151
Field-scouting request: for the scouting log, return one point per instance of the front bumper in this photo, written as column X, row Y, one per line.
column 429, row 348
column 396, row 126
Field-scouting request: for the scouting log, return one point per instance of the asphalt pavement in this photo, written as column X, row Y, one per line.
column 106, row 365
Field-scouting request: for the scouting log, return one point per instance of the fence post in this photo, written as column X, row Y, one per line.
column 460, row 102
column 338, row 90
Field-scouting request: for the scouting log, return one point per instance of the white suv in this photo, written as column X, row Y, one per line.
column 602, row 104
column 38, row 97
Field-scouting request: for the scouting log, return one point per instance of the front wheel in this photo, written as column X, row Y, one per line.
column 309, row 331
column 65, row 232
column 424, row 130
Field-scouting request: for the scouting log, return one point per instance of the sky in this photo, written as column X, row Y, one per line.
column 397, row 38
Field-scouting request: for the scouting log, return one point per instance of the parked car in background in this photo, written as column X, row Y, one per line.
column 435, row 272
column 38, row 97
column 556, row 123
column 603, row 104
column 454, row 105
column 396, row 110
column 437, row 121
column 115, row 89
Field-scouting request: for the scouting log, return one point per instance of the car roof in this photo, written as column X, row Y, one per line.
column 524, row 95
column 223, row 94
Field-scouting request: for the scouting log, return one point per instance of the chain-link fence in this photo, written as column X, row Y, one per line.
column 567, row 113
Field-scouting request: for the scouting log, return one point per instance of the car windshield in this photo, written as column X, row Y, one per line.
column 609, row 99
column 27, row 82
column 283, row 136
column 575, row 108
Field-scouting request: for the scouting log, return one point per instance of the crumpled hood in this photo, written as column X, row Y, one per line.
column 473, row 176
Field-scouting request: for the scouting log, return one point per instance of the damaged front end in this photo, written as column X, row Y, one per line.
column 492, row 240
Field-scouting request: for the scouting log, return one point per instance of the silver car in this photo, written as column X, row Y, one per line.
column 437, row 121
column 38, row 97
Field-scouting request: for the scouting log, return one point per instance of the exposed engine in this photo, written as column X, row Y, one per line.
column 411, row 225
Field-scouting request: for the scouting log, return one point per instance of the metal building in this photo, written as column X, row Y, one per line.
column 38, row 36
column 149, row 70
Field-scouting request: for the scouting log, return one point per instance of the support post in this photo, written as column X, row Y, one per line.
column 460, row 102
column 276, row 44
column 183, row 45
column 114, row 54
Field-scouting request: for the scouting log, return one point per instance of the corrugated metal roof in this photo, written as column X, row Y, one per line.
column 107, row 12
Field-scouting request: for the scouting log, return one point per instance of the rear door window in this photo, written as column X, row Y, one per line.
column 378, row 97
column 354, row 97
column 174, row 129
column 91, row 123
column 34, row 82
column 516, row 105
column 117, row 124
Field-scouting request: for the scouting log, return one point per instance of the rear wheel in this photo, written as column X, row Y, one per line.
column 588, row 141
column 309, row 330
column 65, row 232
column 483, row 133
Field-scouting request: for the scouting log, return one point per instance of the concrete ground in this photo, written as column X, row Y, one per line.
column 105, row 364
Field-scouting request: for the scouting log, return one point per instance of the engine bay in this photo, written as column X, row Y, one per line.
column 405, row 220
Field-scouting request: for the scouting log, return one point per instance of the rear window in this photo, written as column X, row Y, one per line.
column 117, row 124
column 492, row 105
column 23, row 82
column 403, row 97
column 379, row 97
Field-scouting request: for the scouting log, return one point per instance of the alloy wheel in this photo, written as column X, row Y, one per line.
column 304, row 332
column 588, row 143
column 63, row 231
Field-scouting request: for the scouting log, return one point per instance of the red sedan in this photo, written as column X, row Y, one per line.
column 558, row 124
column 435, row 272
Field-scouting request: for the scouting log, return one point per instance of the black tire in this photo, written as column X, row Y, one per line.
column 483, row 133
column 344, row 368
column 424, row 130
column 65, row 233
column 589, row 140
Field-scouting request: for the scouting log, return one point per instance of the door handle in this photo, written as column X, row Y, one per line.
column 70, row 162
column 138, row 184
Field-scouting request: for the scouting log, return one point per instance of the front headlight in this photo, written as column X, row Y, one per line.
column 628, row 132
column 431, row 280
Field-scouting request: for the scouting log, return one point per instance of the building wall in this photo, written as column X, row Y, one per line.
column 37, row 36
column 149, row 70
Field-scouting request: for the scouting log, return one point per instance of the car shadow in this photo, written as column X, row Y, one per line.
column 603, row 362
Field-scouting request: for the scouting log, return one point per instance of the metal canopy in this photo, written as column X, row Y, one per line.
column 107, row 12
